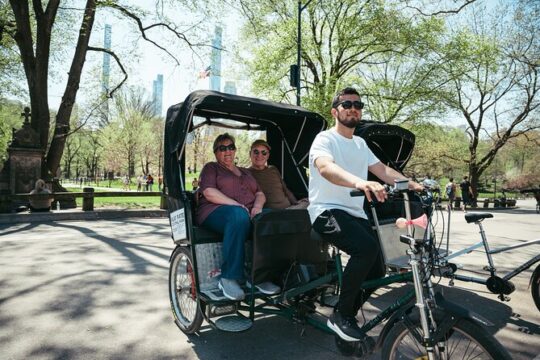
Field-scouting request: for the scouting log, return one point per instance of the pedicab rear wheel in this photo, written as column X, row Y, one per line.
column 535, row 287
column 185, row 305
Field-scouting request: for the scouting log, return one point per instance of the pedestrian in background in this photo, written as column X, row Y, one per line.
column 450, row 190
column 466, row 194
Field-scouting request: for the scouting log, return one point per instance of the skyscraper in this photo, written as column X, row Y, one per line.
column 105, row 74
column 215, row 74
column 230, row 87
column 106, row 59
column 157, row 95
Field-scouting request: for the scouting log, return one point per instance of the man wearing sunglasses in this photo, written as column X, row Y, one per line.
column 338, row 162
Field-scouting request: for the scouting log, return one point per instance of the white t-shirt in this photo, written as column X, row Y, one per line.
column 352, row 155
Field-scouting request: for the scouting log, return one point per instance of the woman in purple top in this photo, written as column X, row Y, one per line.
column 231, row 198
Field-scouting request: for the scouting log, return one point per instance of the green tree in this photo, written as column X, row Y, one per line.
column 10, row 118
column 32, row 25
column 128, row 137
column 495, row 81
column 345, row 42
column 439, row 151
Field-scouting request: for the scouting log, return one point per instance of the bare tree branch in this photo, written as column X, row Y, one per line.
column 110, row 52
column 442, row 12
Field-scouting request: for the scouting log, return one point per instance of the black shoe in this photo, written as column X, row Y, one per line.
column 346, row 327
column 358, row 349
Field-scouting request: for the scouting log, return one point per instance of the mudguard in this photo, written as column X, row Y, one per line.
column 535, row 273
column 454, row 311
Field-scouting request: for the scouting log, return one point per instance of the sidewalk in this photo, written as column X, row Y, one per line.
column 99, row 290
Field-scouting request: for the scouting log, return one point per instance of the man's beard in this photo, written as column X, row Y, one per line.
column 350, row 122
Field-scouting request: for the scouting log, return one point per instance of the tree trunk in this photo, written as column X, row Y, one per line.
column 68, row 100
column 36, row 65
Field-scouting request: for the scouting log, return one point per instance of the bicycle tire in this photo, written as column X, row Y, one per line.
column 535, row 287
column 187, row 310
column 465, row 340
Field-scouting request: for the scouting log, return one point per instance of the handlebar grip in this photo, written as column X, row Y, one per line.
column 406, row 240
column 357, row 193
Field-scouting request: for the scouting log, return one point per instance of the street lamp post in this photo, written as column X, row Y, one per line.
column 299, row 48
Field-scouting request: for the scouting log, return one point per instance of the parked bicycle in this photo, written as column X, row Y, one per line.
column 502, row 286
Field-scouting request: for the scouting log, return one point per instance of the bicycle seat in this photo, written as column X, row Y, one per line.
column 474, row 217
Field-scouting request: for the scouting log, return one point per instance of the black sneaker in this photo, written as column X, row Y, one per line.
column 358, row 349
column 345, row 327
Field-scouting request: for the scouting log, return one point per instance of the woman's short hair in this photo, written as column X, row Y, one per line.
column 260, row 142
column 40, row 184
column 221, row 138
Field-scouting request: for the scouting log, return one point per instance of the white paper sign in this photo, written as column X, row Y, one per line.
column 178, row 225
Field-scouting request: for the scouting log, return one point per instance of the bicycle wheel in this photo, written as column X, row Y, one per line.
column 186, row 309
column 465, row 340
column 535, row 286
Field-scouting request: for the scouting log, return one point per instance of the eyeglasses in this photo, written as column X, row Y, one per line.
column 347, row 104
column 263, row 152
column 223, row 148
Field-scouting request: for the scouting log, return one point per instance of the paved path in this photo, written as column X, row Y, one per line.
column 98, row 290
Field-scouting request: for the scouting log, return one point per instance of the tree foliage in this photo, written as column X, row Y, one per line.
column 494, row 84
column 30, row 24
column 10, row 118
column 369, row 44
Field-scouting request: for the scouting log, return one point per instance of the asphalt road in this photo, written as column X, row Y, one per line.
column 98, row 290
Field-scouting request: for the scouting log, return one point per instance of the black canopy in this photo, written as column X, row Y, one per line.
column 393, row 145
column 290, row 130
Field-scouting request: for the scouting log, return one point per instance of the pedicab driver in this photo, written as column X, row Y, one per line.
column 339, row 162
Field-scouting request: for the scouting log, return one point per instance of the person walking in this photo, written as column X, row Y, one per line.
column 139, row 182
column 450, row 191
column 149, row 182
column 466, row 194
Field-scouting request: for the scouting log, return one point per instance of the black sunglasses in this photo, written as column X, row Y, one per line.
column 223, row 148
column 263, row 152
column 347, row 104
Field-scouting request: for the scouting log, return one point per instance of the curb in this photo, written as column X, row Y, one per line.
column 81, row 215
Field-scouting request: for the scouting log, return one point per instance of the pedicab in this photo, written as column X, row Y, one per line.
column 284, row 248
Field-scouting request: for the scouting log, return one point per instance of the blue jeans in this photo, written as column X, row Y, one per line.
column 234, row 223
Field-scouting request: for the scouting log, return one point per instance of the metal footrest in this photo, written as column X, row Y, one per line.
column 329, row 300
column 233, row 323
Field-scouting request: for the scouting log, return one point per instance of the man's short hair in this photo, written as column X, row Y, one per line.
column 222, row 138
column 345, row 91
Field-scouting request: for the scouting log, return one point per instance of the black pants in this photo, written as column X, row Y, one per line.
column 356, row 237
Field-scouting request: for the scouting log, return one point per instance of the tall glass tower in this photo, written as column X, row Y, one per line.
column 215, row 74
column 157, row 95
column 105, row 74
column 230, row 87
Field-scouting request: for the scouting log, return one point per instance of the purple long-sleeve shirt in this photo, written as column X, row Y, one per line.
column 240, row 188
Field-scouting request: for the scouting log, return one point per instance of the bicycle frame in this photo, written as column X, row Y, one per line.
column 491, row 264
